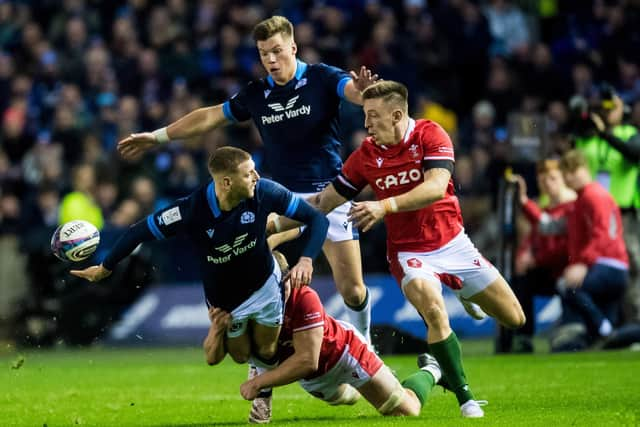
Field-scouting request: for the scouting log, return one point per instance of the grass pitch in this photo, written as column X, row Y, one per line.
column 174, row 387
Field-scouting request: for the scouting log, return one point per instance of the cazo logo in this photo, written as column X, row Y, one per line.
column 285, row 112
column 402, row 177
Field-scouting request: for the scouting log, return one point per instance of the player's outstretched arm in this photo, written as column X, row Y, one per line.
column 325, row 201
column 302, row 363
column 136, row 234
column 359, row 82
column 193, row 124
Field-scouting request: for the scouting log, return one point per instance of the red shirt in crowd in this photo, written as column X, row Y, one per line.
column 595, row 230
column 548, row 239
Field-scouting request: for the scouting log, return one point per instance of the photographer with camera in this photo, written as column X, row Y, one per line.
column 612, row 150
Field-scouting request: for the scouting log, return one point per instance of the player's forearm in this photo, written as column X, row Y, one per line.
column 419, row 197
column 213, row 347
column 295, row 368
column 136, row 234
column 196, row 123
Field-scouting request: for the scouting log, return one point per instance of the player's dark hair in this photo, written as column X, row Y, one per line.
column 226, row 160
column 272, row 26
column 573, row 160
column 390, row 91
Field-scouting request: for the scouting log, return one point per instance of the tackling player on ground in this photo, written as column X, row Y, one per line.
column 332, row 361
column 226, row 220
column 408, row 163
column 295, row 109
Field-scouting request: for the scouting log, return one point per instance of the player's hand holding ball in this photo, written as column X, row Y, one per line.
column 75, row 241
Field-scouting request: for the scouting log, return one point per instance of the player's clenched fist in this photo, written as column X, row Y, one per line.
column 250, row 389
column 136, row 144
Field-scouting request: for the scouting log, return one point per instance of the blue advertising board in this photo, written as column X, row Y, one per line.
column 176, row 314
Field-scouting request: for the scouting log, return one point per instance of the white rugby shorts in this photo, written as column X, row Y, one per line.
column 458, row 265
column 340, row 228
column 265, row 306
column 357, row 365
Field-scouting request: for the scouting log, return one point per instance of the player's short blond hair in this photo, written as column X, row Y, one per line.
column 225, row 160
column 572, row 160
column 391, row 92
column 272, row 26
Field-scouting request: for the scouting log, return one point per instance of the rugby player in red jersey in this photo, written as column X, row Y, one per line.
column 332, row 361
column 408, row 164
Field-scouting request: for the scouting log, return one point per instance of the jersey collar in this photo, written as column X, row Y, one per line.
column 211, row 199
column 407, row 134
column 301, row 68
column 410, row 128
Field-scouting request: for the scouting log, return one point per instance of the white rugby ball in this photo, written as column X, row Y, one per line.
column 75, row 240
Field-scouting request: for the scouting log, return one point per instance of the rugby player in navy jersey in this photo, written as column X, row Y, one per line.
column 295, row 109
column 226, row 221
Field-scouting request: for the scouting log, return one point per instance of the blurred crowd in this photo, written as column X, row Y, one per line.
column 78, row 75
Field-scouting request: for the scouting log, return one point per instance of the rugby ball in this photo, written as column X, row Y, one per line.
column 75, row 240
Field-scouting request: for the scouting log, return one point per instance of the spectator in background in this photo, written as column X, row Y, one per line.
column 543, row 255
column 593, row 283
column 80, row 202
column 612, row 150
column 509, row 28
column 143, row 191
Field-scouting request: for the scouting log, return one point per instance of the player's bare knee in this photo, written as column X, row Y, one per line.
column 213, row 360
column 239, row 356
column 268, row 351
column 519, row 319
column 353, row 292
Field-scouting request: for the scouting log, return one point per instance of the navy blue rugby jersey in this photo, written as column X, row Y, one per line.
column 298, row 123
column 231, row 245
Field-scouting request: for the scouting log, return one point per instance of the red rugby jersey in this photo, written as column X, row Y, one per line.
column 548, row 237
column 595, row 230
column 304, row 311
column 395, row 169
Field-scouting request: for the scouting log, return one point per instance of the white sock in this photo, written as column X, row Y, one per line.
column 605, row 328
column 361, row 319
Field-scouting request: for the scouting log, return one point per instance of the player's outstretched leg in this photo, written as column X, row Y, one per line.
column 499, row 302
column 469, row 409
column 426, row 297
column 346, row 266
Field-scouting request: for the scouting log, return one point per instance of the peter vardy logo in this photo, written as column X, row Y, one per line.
column 285, row 112
column 235, row 248
column 247, row 218
column 276, row 106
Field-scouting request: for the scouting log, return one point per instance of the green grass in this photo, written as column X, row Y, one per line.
column 174, row 387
